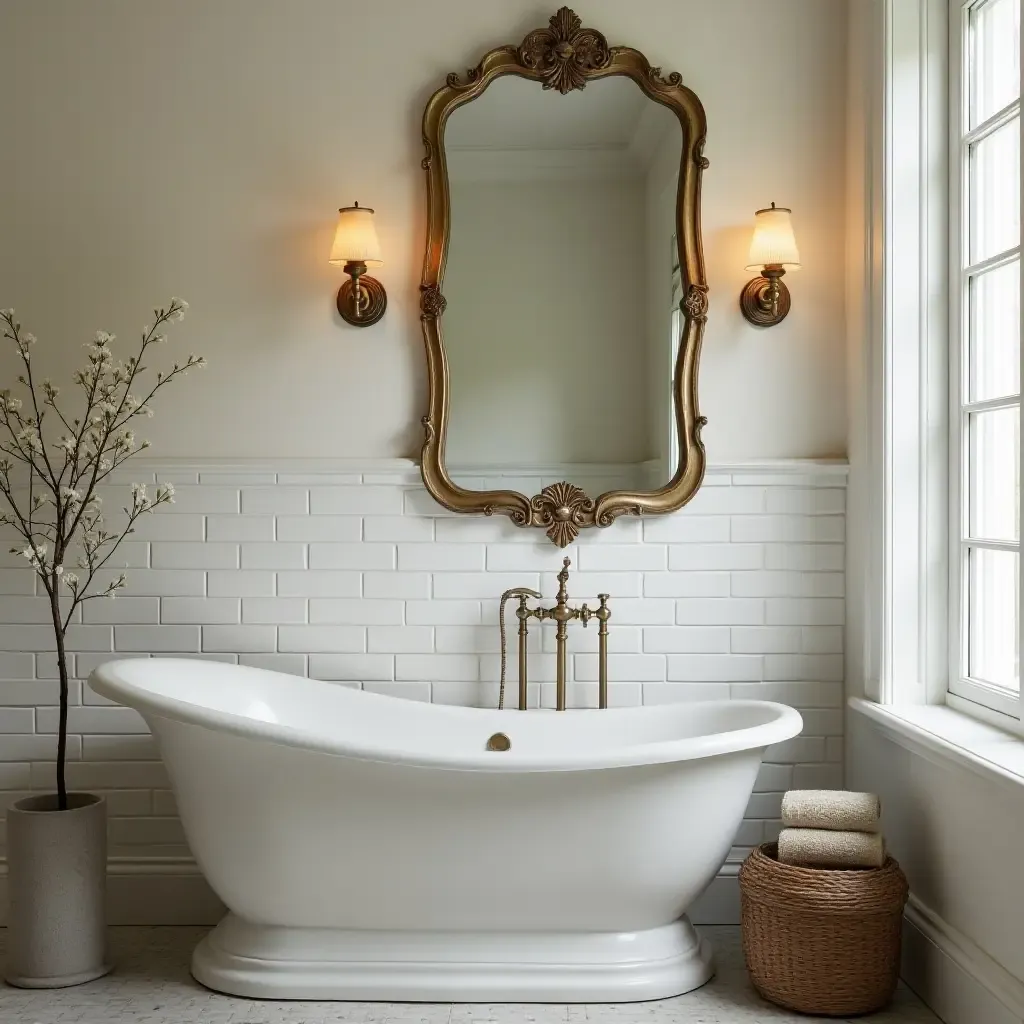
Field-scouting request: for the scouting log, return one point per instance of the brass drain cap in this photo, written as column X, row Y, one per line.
column 499, row 741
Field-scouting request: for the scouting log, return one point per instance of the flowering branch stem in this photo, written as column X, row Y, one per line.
column 26, row 359
column 64, row 508
column 62, row 726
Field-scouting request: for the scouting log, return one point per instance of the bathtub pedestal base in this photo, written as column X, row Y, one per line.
column 266, row 962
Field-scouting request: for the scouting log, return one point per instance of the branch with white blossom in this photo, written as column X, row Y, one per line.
column 95, row 538
column 65, row 510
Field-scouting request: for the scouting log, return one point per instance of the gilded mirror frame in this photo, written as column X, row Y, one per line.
column 567, row 56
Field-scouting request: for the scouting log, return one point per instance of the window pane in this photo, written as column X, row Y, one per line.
column 995, row 333
column 993, row 641
column 995, row 474
column 995, row 192
column 995, row 57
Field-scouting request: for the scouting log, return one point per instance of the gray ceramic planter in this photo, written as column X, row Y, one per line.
column 57, row 874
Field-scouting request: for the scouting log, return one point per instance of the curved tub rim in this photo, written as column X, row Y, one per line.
column 108, row 681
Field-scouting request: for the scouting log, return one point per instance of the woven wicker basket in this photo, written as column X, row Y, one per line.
column 818, row 941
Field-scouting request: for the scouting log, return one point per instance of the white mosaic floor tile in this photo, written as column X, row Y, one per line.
column 151, row 985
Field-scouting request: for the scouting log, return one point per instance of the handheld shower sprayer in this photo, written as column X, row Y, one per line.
column 522, row 593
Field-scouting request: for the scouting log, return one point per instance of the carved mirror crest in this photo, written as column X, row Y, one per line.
column 564, row 262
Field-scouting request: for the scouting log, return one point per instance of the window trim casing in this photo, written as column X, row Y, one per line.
column 909, row 393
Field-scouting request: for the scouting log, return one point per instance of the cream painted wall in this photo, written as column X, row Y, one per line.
column 200, row 148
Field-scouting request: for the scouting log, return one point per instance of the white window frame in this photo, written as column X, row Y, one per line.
column 964, row 693
column 898, row 651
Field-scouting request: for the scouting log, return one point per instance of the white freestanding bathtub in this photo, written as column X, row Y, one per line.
column 373, row 848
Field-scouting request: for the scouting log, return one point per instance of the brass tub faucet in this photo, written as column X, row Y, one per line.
column 562, row 613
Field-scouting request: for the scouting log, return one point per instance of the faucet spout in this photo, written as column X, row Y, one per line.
column 562, row 614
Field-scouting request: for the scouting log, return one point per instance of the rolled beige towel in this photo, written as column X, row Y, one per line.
column 834, row 809
column 826, row 848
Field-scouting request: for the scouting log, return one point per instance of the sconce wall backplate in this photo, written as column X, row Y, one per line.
column 756, row 300
column 374, row 301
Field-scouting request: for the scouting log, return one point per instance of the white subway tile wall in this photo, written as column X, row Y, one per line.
column 355, row 576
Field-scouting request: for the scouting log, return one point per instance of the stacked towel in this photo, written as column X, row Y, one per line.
column 831, row 829
column 834, row 809
column 823, row 848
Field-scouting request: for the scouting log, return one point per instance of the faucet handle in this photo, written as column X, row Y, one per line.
column 563, row 580
column 603, row 613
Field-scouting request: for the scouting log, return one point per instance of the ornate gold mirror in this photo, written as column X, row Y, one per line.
column 563, row 295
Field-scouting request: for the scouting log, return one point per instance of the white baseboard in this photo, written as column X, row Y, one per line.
column 150, row 891
column 720, row 901
column 957, row 979
column 172, row 891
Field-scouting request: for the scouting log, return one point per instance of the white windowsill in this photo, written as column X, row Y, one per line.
column 946, row 736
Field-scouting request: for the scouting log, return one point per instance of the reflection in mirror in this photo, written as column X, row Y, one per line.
column 562, row 282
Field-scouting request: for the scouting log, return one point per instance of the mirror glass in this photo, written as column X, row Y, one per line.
column 563, row 291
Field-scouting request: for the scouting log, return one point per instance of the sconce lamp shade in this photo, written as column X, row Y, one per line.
column 355, row 238
column 773, row 243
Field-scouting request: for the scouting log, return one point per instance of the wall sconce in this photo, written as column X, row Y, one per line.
column 765, row 300
column 361, row 300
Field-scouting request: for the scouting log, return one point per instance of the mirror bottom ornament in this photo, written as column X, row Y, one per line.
column 563, row 508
